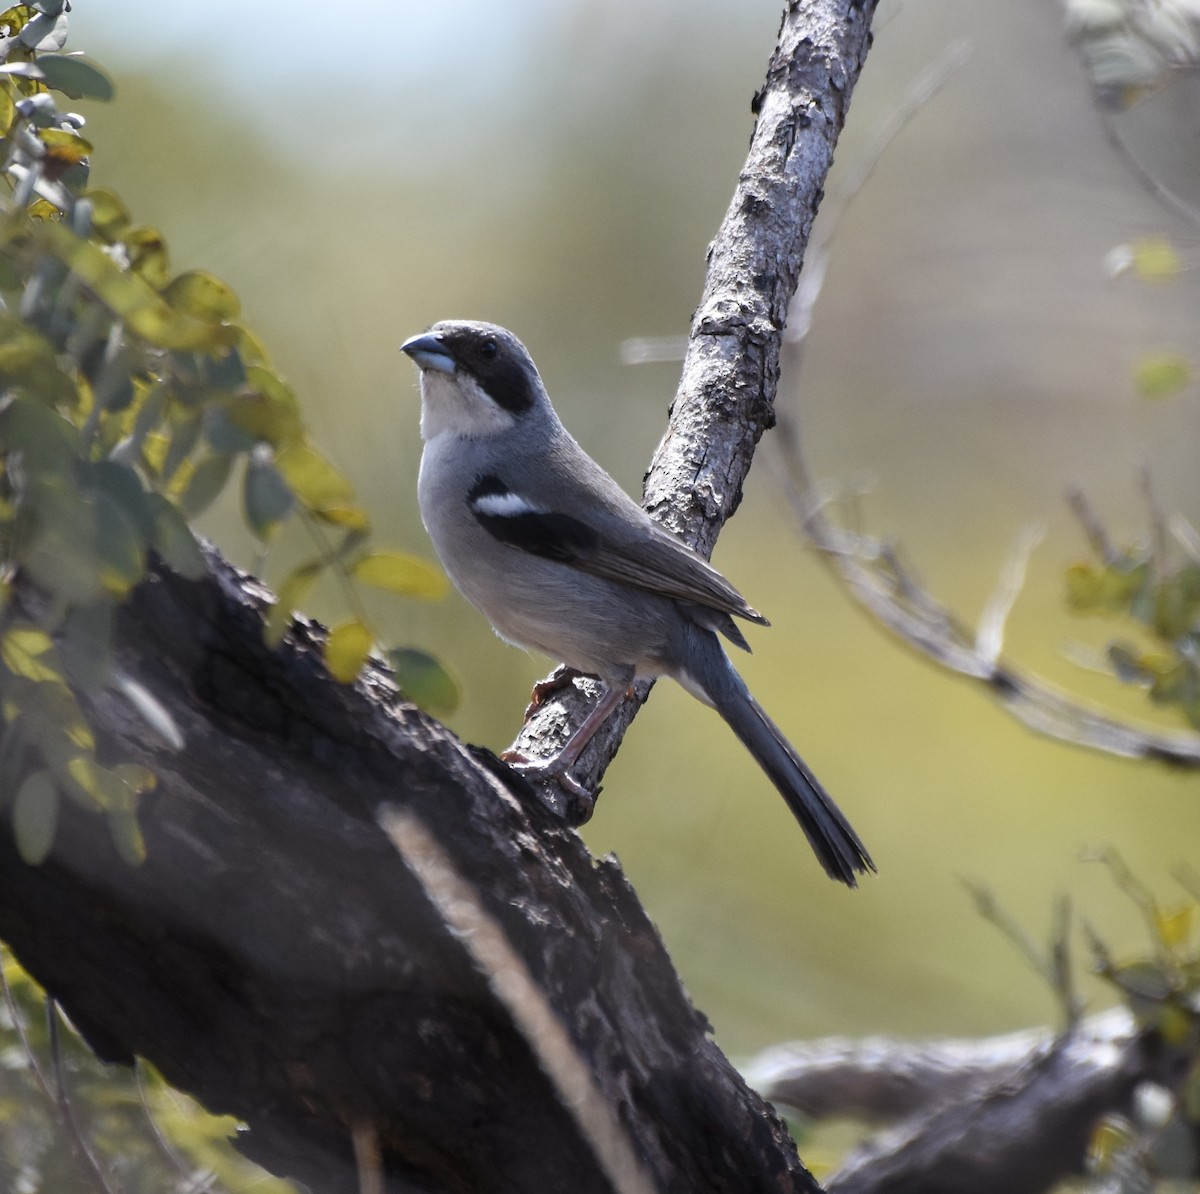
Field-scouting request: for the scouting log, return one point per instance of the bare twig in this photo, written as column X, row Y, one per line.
column 989, row 637
column 1093, row 528
column 102, row 1182
column 1157, row 190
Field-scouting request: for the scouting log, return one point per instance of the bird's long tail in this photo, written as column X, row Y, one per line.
column 835, row 844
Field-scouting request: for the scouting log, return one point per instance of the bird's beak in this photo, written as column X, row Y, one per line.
column 428, row 352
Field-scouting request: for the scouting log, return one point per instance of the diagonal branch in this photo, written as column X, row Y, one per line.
column 726, row 395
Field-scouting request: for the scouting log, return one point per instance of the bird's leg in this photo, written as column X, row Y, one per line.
column 562, row 677
column 557, row 766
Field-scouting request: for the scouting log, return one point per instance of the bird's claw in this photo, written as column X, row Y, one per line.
column 560, row 678
column 537, row 770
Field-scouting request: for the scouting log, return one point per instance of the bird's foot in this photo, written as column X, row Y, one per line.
column 559, row 679
column 540, row 770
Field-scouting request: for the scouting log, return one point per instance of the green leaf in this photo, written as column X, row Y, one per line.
column 400, row 573
column 291, row 593
column 202, row 295
column 269, row 411
column 48, row 444
column 424, row 680
column 266, row 498
column 122, row 550
column 86, row 645
column 29, row 362
column 148, row 255
column 314, row 481
column 174, row 541
column 75, row 77
column 124, row 487
column 185, row 435
column 205, row 485
column 127, row 295
column 1161, row 375
column 35, row 817
column 109, row 215
column 347, row 648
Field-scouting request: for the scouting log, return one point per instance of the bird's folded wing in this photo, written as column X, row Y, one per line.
column 663, row 564
column 654, row 560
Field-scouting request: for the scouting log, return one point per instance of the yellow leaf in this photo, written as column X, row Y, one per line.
column 400, row 573
column 346, row 650
column 128, row 295
column 1162, row 374
column 293, row 591
column 353, row 518
column 314, row 481
column 1174, row 925
column 1154, row 258
column 200, row 294
column 20, row 649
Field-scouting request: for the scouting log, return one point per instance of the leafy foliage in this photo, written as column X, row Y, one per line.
column 1156, row 1143
column 68, row 1122
column 130, row 399
column 1130, row 47
column 1164, row 600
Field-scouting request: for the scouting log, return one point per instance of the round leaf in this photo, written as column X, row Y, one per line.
column 424, row 680
column 202, row 295
column 75, row 77
column 400, row 573
column 35, row 817
column 266, row 498
column 346, row 650
column 205, row 485
column 314, row 481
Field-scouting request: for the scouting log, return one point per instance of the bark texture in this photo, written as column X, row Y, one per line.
column 726, row 395
column 275, row 957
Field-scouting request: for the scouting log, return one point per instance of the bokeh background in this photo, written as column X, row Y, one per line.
column 559, row 166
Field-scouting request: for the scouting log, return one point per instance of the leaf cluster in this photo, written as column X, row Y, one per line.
column 1162, row 990
column 131, row 398
column 1164, row 600
column 69, row 1122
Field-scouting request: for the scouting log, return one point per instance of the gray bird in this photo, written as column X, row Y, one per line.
column 546, row 545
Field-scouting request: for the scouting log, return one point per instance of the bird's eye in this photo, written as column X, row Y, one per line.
column 488, row 350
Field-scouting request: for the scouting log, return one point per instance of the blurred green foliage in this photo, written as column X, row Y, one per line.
column 131, row 398
column 69, row 1122
column 1163, row 599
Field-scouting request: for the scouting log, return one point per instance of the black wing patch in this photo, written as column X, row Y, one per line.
column 511, row 519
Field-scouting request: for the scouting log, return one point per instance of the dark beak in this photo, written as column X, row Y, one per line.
column 428, row 351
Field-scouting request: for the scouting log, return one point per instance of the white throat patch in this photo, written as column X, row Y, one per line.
column 453, row 404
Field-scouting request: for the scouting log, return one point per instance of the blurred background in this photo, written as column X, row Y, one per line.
column 559, row 167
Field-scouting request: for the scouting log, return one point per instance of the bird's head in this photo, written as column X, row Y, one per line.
column 477, row 379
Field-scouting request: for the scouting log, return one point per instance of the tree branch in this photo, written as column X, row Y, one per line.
column 1005, row 1115
column 275, row 957
column 726, row 395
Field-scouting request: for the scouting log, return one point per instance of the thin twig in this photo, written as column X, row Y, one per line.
column 106, row 1184
column 1157, row 190
column 196, row 1184
column 1093, row 528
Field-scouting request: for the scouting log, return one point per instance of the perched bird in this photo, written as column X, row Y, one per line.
column 546, row 545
